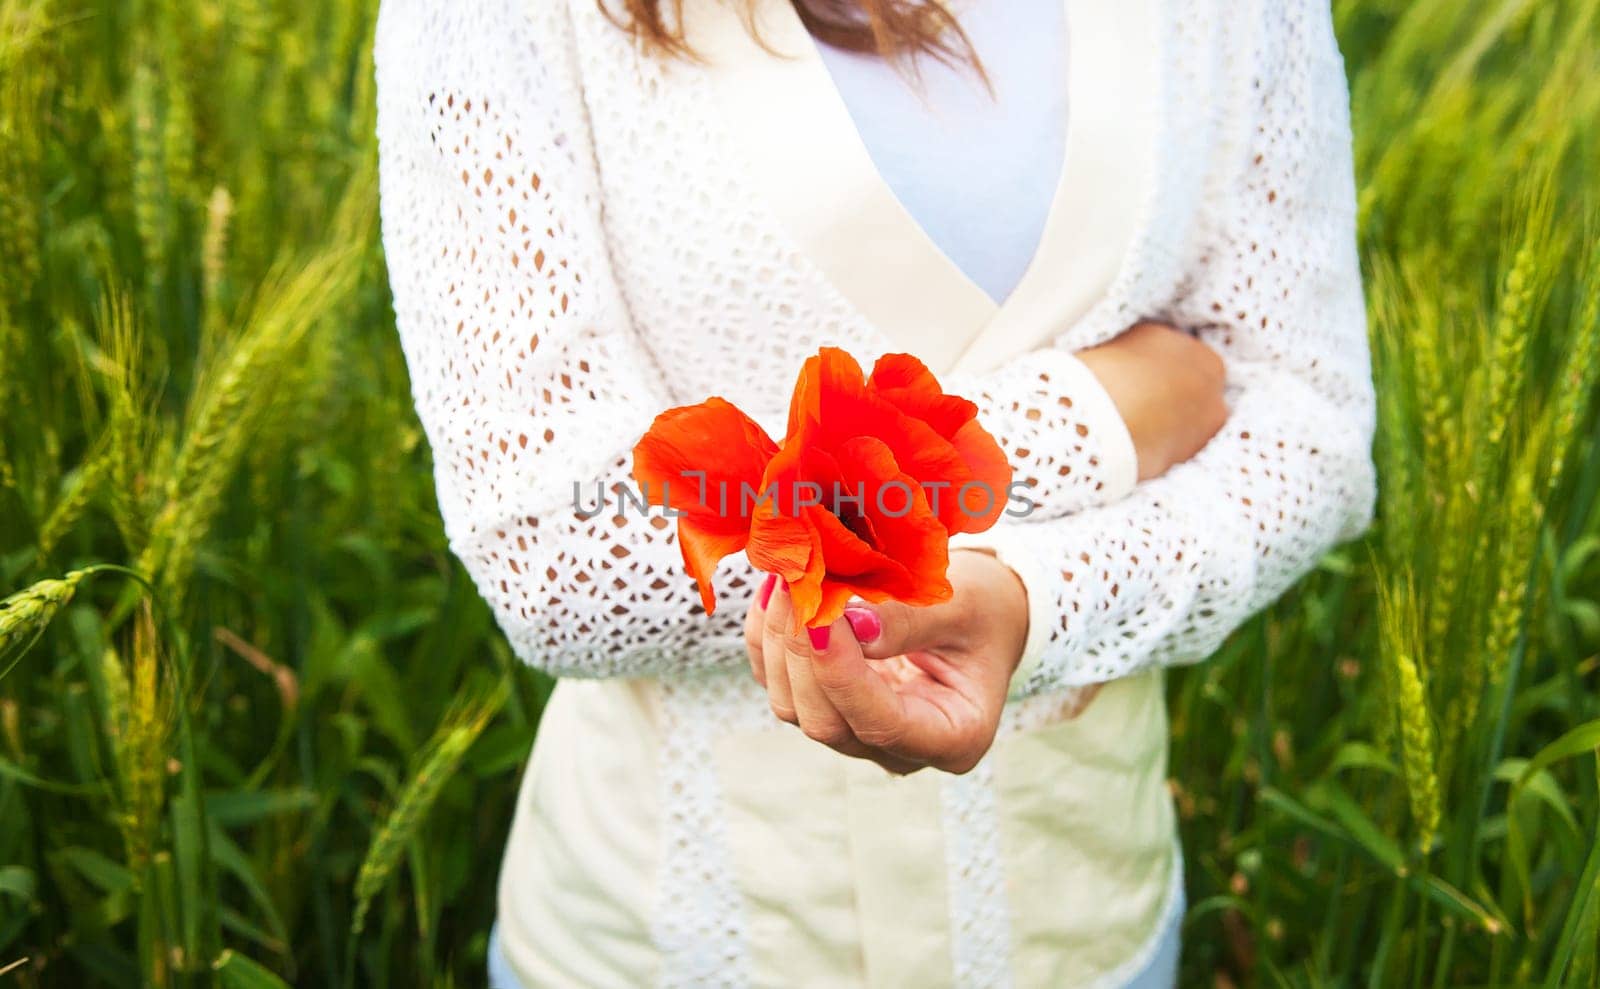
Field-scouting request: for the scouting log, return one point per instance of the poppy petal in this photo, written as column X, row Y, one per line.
column 780, row 543
column 703, row 548
column 849, row 558
column 908, row 385
column 983, row 485
column 846, row 412
column 831, row 607
column 907, row 529
column 805, row 588
column 697, row 459
column 986, row 498
column 824, row 378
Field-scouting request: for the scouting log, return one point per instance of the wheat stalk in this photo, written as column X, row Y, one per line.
column 131, row 414
column 140, row 716
column 82, row 487
column 230, row 407
column 1579, row 374
column 23, row 77
column 1484, row 662
column 1398, row 633
column 177, row 133
column 214, row 256
column 25, row 614
column 1417, row 748
column 456, row 734
column 149, row 186
column 1493, row 507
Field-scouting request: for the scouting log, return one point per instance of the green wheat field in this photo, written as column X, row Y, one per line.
column 256, row 728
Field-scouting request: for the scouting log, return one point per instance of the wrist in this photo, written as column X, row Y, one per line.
column 1008, row 545
column 1167, row 385
column 1116, row 366
column 1123, row 365
column 998, row 611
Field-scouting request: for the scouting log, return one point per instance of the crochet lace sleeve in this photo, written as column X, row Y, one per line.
column 1163, row 575
column 530, row 382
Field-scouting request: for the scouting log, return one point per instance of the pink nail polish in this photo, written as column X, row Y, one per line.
column 766, row 589
column 819, row 637
column 864, row 623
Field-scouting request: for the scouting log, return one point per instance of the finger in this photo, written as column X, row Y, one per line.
column 887, row 629
column 774, row 637
column 755, row 619
column 890, row 764
column 816, row 714
column 906, row 726
column 892, row 628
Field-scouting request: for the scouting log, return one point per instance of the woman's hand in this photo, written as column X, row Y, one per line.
column 1167, row 385
column 904, row 687
column 910, row 687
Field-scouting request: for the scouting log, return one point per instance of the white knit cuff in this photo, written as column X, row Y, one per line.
column 1118, row 467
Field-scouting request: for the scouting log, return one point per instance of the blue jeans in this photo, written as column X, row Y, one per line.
column 1161, row 972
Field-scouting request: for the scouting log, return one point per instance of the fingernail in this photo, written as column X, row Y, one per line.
column 766, row 589
column 819, row 637
column 864, row 623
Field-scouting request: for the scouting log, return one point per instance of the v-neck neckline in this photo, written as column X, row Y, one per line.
column 977, row 167
column 806, row 157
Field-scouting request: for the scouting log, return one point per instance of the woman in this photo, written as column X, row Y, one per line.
column 595, row 213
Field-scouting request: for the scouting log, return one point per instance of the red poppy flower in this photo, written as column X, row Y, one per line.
column 860, row 500
column 695, row 460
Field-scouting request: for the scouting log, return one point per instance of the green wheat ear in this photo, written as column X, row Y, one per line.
column 460, row 728
column 214, row 252
column 141, row 711
column 150, row 213
column 1399, row 636
column 25, row 614
column 230, row 405
column 1580, row 374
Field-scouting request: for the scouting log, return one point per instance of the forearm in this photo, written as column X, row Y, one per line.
column 527, row 375
column 1164, row 575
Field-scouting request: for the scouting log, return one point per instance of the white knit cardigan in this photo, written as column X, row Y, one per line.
column 574, row 246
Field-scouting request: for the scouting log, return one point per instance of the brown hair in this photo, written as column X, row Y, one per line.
column 896, row 29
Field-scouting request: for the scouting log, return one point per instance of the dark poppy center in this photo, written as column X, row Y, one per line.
column 851, row 516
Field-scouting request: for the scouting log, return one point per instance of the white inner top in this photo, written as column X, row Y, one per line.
column 976, row 170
